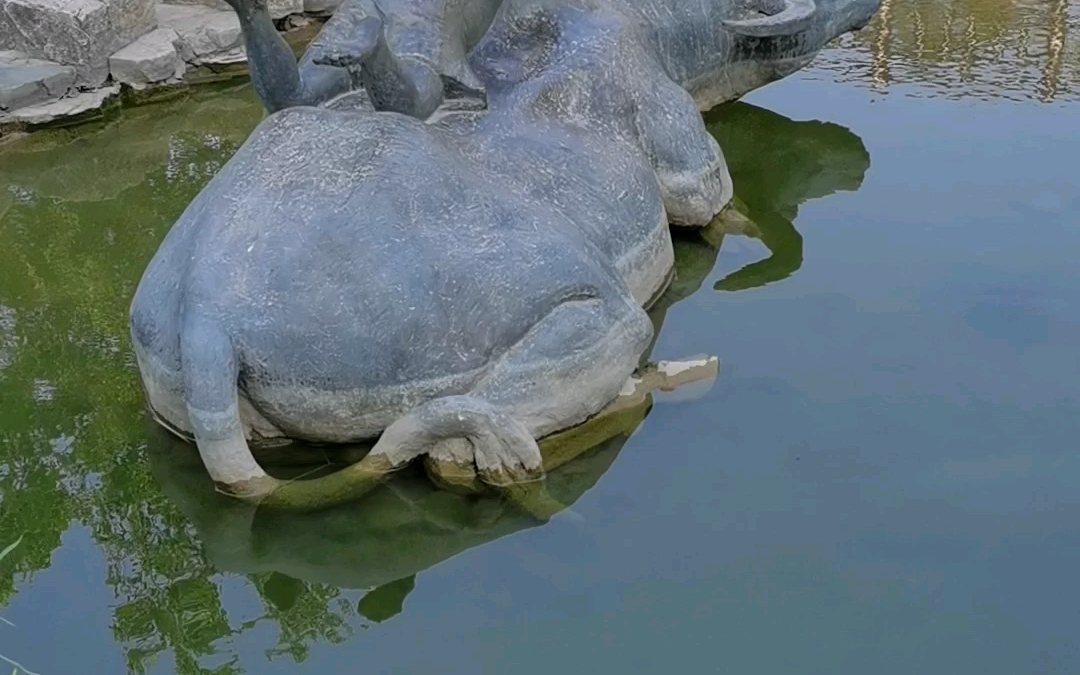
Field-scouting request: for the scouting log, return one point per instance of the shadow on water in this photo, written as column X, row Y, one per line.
column 81, row 211
column 776, row 165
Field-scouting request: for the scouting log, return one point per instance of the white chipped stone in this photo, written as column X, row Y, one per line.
column 204, row 35
column 676, row 368
column 79, row 33
column 26, row 81
column 65, row 107
column 151, row 58
column 281, row 8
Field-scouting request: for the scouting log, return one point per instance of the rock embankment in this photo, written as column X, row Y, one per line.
column 61, row 59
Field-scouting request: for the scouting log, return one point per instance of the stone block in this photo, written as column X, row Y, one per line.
column 213, row 4
column 204, row 35
column 65, row 107
column 79, row 33
column 282, row 8
column 278, row 8
column 152, row 58
column 321, row 6
column 26, row 81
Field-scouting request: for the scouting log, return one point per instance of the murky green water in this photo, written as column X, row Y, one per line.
column 884, row 478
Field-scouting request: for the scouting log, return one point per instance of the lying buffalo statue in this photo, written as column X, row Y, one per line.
column 462, row 285
column 405, row 526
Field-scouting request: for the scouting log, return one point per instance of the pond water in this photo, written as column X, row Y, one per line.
column 885, row 476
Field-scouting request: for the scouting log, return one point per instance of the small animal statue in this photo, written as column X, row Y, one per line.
column 409, row 55
column 457, row 287
column 413, row 54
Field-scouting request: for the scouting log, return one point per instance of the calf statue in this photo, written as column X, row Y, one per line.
column 456, row 285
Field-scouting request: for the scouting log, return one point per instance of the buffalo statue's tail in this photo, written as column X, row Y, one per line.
column 210, row 372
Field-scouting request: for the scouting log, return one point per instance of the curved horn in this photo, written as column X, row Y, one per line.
column 795, row 16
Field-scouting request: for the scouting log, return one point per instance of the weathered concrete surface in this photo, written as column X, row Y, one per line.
column 79, row 33
column 204, row 35
column 65, row 107
column 282, row 8
column 320, row 6
column 26, row 81
column 152, row 58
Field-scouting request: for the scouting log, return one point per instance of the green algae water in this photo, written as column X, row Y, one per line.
column 884, row 478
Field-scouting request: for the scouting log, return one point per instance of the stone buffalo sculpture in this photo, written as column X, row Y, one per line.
column 405, row 527
column 459, row 286
column 409, row 54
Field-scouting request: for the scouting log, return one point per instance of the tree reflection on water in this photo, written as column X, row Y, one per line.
column 81, row 211
column 1012, row 49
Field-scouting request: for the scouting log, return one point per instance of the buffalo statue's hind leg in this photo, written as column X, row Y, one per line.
column 688, row 162
column 571, row 364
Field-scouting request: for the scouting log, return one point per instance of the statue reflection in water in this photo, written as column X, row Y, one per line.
column 407, row 525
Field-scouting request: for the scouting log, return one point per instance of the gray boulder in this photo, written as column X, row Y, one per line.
column 277, row 9
column 320, row 6
column 79, row 33
column 152, row 58
column 25, row 81
column 66, row 107
column 281, row 8
column 203, row 35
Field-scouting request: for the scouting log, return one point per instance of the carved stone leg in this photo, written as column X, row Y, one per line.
column 409, row 54
column 689, row 164
column 448, row 465
column 273, row 67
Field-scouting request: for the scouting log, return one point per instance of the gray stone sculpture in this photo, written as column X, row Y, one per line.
column 409, row 53
column 405, row 527
column 462, row 285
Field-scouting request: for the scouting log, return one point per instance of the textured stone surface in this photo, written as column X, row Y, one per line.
column 25, row 81
column 278, row 8
column 214, row 4
column 204, row 35
column 80, row 33
column 321, row 6
column 282, row 8
column 152, row 58
column 66, row 107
